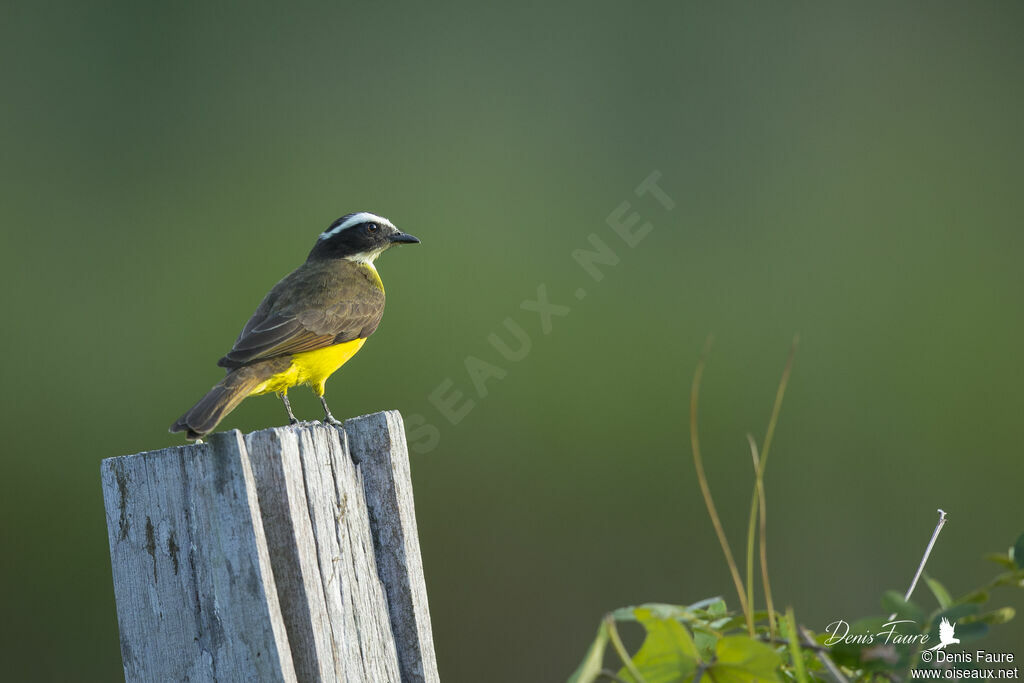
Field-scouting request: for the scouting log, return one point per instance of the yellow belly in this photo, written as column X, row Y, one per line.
column 311, row 367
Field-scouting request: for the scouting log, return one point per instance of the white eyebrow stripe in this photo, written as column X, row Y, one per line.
column 356, row 219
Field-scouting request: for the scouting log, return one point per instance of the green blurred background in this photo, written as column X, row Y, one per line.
column 851, row 173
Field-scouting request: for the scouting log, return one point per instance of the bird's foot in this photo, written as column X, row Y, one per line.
column 328, row 418
column 292, row 420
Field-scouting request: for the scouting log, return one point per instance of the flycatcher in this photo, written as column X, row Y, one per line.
column 309, row 325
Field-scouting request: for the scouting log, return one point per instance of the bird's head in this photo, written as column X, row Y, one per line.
column 360, row 237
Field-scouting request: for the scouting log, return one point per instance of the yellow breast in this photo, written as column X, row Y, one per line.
column 312, row 368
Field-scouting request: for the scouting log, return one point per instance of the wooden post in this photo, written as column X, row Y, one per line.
column 289, row 554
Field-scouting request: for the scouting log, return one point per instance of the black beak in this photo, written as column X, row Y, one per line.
column 404, row 238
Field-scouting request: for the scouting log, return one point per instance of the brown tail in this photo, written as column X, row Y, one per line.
column 204, row 416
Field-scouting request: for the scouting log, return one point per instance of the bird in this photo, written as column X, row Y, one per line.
column 945, row 635
column 309, row 324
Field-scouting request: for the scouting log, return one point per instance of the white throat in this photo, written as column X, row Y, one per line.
column 366, row 258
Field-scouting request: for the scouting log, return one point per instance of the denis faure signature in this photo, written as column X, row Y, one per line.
column 839, row 632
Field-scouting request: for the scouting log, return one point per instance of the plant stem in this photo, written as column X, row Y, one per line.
column 762, row 516
column 825, row 660
column 794, row 647
column 698, row 463
column 784, row 641
column 627, row 661
column 757, row 500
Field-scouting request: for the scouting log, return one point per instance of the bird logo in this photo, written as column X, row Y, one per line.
column 945, row 635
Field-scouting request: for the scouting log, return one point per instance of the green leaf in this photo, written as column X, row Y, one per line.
column 655, row 621
column 994, row 618
column 705, row 639
column 668, row 653
column 1014, row 578
column 973, row 631
column 590, row 668
column 707, row 602
column 1017, row 552
column 729, row 623
column 712, row 608
column 737, row 621
column 956, row 612
column 624, row 614
column 742, row 659
column 979, row 596
column 939, row 591
column 660, row 610
column 893, row 602
column 1003, row 560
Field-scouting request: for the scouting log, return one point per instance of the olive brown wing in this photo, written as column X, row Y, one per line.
column 333, row 311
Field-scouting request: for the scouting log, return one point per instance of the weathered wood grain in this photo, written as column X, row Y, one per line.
column 283, row 510
column 315, row 517
column 196, row 599
column 379, row 448
column 279, row 556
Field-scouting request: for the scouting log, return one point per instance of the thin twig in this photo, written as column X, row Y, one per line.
column 777, row 408
column 825, row 660
column 784, row 641
column 752, row 525
column 794, row 648
column 763, row 533
column 627, row 661
column 698, row 463
column 757, row 500
column 611, row 676
column 924, row 560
